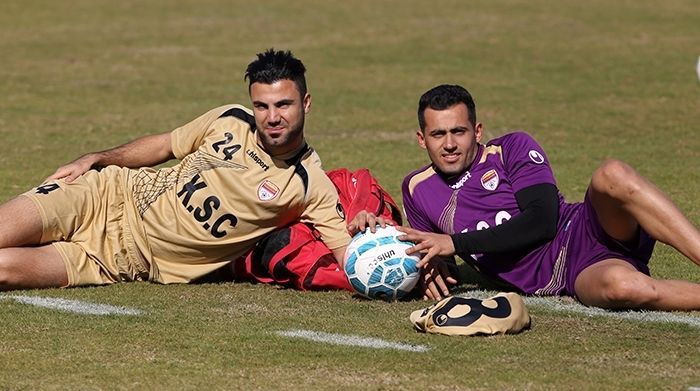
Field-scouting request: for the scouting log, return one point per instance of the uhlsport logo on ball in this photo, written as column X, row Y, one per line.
column 377, row 264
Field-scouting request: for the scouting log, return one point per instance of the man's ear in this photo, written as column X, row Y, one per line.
column 307, row 103
column 478, row 131
column 421, row 138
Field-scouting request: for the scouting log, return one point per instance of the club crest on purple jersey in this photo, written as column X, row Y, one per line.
column 490, row 180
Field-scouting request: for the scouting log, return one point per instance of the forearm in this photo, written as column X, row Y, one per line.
column 339, row 255
column 536, row 224
column 145, row 151
column 518, row 234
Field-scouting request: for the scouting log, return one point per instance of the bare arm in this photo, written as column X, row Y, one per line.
column 339, row 254
column 143, row 152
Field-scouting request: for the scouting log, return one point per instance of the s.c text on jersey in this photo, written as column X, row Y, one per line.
column 204, row 213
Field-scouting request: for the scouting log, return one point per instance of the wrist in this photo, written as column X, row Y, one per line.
column 460, row 243
column 95, row 159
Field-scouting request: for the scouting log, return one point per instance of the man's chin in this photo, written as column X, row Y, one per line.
column 449, row 171
column 273, row 141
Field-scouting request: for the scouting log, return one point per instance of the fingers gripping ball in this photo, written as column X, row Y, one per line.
column 377, row 265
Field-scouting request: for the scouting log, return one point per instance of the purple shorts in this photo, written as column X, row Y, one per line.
column 590, row 244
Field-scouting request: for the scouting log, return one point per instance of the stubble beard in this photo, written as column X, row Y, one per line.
column 286, row 142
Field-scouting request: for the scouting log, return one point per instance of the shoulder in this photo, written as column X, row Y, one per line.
column 518, row 145
column 205, row 122
column 237, row 112
column 233, row 116
column 190, row 136
column 229, row 110
column 307, row 166
column 311, row 162
column 310, row 158
column 417, row 179
column 518, row 137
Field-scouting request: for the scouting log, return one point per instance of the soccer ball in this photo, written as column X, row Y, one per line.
column 377, row 265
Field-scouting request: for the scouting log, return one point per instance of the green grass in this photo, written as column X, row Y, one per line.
column 222, row 335
column 590, row 80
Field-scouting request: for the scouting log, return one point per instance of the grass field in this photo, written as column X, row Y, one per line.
column 589, row 79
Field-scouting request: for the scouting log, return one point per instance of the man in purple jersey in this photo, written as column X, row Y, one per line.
column 496, row 205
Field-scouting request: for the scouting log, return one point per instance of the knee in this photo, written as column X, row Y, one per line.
column 5, row 271
column 616, row 179
column 10, row 276
column 629, row 290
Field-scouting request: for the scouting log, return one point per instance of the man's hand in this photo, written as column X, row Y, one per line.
column 74, row 169
column 363, row 220
column 434, row 278
column 427, row 243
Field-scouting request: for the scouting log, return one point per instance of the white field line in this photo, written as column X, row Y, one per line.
column 644, row 316
column 564, row 305
column 351, row 340
column 76, row 306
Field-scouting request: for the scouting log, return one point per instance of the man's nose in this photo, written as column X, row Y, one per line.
column 273, row 115
column 450, row 142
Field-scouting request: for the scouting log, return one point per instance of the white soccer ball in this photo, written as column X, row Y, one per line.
column 377, row 265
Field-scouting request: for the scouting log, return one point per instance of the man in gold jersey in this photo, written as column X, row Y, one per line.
column 241, row 175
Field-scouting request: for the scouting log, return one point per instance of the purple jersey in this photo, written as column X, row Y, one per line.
column 484, row 196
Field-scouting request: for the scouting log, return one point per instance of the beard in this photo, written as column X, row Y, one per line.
column 285, row 142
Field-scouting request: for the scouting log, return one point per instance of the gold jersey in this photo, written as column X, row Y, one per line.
column 225, row 195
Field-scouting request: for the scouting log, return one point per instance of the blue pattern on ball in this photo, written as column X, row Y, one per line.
column 358, row 285
column 386, row 240
column 394, row 278
column 366, row 247
column 350, row 264
column 376, row 276
column 410, row 266
column 394, row 261
column 381, row 292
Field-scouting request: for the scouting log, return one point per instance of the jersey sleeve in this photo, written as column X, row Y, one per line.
column 415, row 215
column 525, row 161
column 324, row 213
column 189, row 137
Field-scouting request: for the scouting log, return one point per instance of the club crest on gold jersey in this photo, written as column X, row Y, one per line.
column 490, row 180
column 267, row 191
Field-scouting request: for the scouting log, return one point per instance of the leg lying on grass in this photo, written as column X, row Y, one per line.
column 615, row 284
column 26, row 267
column 624, row 201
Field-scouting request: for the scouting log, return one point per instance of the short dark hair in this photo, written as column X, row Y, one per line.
column 443, row 97
column 275, row 65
